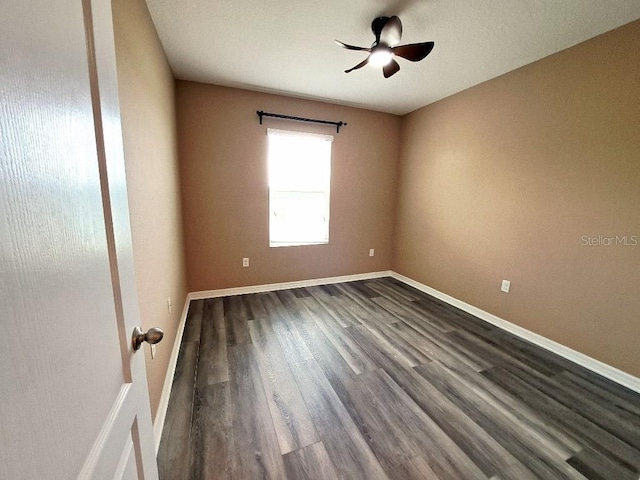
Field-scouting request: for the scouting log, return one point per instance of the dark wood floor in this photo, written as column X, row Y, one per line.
column 375, row 380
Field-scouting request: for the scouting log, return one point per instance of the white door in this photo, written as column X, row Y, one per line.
column 73, row 395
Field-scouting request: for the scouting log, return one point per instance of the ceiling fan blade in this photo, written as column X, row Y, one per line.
column 351, row 47
column 390, row 69
column 414, row 51
column 391, row 32
column 377, row 25
column 360, row 65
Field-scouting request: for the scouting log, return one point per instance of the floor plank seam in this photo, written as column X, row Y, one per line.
column 372, row 379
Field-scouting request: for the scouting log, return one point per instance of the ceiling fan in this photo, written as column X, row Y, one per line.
column 388, row 32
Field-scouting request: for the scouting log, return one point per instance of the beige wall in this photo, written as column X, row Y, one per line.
column 223, row 152
column 146, row 89
column 503, row 180
column 500, row 181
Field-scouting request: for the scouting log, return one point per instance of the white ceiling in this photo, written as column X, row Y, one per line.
column 287, row 47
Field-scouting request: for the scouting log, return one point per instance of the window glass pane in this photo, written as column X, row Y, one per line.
column 299, row 217
column 299, row 184
column 299, row 163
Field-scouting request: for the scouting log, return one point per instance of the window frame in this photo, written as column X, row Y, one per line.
column 325, row 191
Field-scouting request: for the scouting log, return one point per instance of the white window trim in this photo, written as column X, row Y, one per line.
column 291, row 133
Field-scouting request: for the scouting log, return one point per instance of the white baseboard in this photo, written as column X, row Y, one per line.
column 270, row 287
column 158, row 424
column 161, row 413
column 629, row 381
column 623, row 378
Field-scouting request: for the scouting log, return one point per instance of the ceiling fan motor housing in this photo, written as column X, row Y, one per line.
column 388, row 33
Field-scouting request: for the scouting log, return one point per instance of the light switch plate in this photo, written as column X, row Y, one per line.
column 506, row 285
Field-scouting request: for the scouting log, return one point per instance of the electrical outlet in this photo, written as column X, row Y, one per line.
column 169, row 305
column 245, row 262
column 506, row 285
column 371, row 252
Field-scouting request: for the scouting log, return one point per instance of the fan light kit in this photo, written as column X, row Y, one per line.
column 380, row 56
column 388, row 32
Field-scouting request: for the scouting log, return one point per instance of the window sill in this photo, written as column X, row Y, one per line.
column 297, row 244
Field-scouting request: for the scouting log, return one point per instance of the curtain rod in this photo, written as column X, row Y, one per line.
column 300, row 119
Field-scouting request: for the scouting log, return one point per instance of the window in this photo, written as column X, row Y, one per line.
column 299, row 182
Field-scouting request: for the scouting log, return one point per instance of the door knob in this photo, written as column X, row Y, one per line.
column 153, row 336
